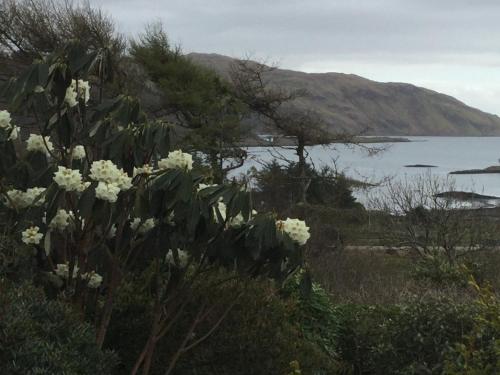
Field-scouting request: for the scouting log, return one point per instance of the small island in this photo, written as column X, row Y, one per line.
column 492, row 169
column 380, row 139
column 465, row 196
column 420, row 166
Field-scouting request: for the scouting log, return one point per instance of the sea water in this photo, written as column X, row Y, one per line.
column 447, row 154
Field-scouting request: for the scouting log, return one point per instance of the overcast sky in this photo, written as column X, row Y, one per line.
column 452, row 46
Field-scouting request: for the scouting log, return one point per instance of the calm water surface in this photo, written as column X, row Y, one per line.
column 446, row 153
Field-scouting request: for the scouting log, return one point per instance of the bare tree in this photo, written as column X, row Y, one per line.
column 429, row 223
column 278, row 108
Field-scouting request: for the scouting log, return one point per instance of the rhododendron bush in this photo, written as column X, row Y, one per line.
column 98, row 192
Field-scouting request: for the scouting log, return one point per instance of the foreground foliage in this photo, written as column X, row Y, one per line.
column 38, row 336
column 99, row 196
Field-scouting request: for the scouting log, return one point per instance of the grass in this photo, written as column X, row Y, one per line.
column 378, row 277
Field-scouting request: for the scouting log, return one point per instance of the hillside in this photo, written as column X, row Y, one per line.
column 356, row 104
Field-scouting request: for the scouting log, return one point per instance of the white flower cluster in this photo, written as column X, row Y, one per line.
column 111, row 179
column 36, row 143
column 295, row 228
column 142, row 226
column 203, row 186
column 61, row 220
column 182, row 258
column 5, row 123
column 176, row 159
column 94, row 280
column 112, row 232
column 23, row 199
column 145, row 169
column 239, row 220
column 72, row 95
column 107, row 191
column 70, row 179
column 32, row 236
column 171, row 219
column 5, row 119
column 62, row 270
column 78, row 152
column 234, row 222
column 222, row 209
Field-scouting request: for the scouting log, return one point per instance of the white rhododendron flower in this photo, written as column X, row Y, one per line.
column 176, row 159
column 5, row 120
column 94, row 280
column 14, row 133
column 134, row 224
column 171, row 219
column 33, row 196
column 6, row 123
column 61, row 220
column 295, row 228
column 237, row 221
column 32, row 236
column 222, row 209
column 82, row 187
column 16, row 198
column 21, row 199
column 78, row 152
column 68, row 179
column 62, row 270
column 202, row 186
column 123, row 181
column 145, row 169
column 107, row 191
column 70, row 97
column 77, row 89
column 142, row 226
column 106, row 171
column 112, row 232
column 182, row 258
column 35, row 143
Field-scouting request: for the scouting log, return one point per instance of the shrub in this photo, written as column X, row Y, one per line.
column 400, row 339
column 479, row 352
column 314, row 312
column 438, row 270
column 38, row 336
column 99, row 195
column 279, row 188
column 262, row 334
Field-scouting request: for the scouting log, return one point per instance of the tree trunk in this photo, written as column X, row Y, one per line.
column 108, row 307
column 304, row 183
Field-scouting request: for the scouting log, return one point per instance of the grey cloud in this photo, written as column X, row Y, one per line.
column 381, row 34
column 340, row 27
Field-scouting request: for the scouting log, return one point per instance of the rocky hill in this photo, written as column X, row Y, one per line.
column 356, row 104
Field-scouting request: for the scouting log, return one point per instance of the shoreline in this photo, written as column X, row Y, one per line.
column 281, row 141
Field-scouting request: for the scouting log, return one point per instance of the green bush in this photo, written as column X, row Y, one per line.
column 479, row 352
column 314, row 313
column 279, row 187
column 410, row 338
column 262, row 334
column 438, row 270
column 38, row 336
